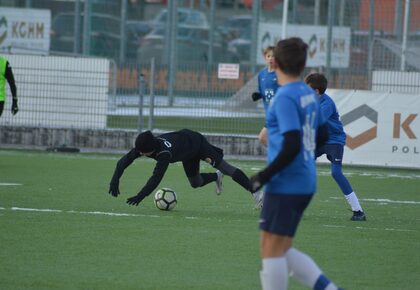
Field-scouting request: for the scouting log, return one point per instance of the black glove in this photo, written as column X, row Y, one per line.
column 114, row 187
column 256, row 96
column 15, row 107
column 258, row 180
column 255, row 182
column 135, row 200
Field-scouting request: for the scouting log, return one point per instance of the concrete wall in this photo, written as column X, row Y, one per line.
column 110, row 140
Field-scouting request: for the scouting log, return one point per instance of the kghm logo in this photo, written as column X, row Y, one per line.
column 312, row 45
column 366, row 136
column 3, row 29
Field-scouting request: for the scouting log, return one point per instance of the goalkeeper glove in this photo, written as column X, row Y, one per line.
column 114, row 187
column 256, row 96
column 135, row 200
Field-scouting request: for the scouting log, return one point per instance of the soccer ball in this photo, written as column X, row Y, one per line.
column 165, row 199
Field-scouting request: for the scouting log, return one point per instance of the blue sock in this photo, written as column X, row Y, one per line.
column 341, row 180
column 321, row 283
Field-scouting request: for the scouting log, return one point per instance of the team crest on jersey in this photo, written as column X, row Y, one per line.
column 269, row 94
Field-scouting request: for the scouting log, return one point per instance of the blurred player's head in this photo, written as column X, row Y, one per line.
column 317, row 81
column 290, row 56
column 146, row 143
column 268, row 53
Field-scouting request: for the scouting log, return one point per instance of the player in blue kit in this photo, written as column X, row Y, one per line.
column 295, row 127
column 267, row 87
column 334, row 146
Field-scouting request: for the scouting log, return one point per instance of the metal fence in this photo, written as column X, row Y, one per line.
column 349, row 40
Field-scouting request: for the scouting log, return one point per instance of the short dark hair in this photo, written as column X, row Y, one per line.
column 290, row 55
column 317, row 81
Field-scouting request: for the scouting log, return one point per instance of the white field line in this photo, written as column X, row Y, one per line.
column 383, row 200
column 48, row 210
column 369, row 228
column 79, row 212
column 9, row 184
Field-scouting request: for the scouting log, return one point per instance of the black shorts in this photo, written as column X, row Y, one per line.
column 281, row 213
column 208, row 153
column 334, row 152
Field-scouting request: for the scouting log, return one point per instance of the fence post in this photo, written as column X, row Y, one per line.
column 152, row 93
column 141, row 105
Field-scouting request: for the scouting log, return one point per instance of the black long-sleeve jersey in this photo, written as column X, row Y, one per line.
column 176, row 146
column 11, row 80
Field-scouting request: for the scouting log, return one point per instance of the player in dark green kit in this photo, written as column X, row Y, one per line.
column 184, row 146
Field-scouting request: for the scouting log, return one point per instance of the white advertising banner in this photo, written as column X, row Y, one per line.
column 315, row 37
column 383, row 129
column 59, row 92
column 26, row 30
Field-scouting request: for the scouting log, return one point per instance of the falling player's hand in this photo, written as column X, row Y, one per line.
column 135, row 200
column 114, row 187
column 256, row 182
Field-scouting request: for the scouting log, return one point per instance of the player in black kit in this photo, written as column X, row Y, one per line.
column 186, row 146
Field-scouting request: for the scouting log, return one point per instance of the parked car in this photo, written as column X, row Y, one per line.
column 192, row 46
column 135, row 31
column 232, row 26
column 105, row 34
column 186, row 16
column 241, row 46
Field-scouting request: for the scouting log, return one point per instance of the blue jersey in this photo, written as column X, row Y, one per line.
column 336, row 133
column 294, row 107
column 267, row 86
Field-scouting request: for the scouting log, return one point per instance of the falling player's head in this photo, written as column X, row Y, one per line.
column 146, row 143
column 317, row 81
column 290, row 56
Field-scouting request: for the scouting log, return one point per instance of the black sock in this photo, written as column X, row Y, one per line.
column 208, row 177
column 239, row 177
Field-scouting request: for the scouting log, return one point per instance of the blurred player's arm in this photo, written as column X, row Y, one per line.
column 291, row 148
column 262, row 137
column 161, row 166
column 122, row 164
column 11, row 80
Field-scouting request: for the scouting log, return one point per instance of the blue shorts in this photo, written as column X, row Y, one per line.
column 334, row 152
column 281, row 213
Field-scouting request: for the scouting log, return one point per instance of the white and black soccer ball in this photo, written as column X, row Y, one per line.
column 165, row 199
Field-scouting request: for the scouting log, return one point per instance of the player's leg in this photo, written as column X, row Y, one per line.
column 335, row 155
column 280, row 218
column 197, row 179
column 304, row 270
column 274, row 274
column 235, row 173
column 240, row 178
column 1, row 107
column 214, row 156
column 277, row 231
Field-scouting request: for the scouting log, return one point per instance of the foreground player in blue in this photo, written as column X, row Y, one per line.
column 186, row 146
column 334, row 146
column 295, row 126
